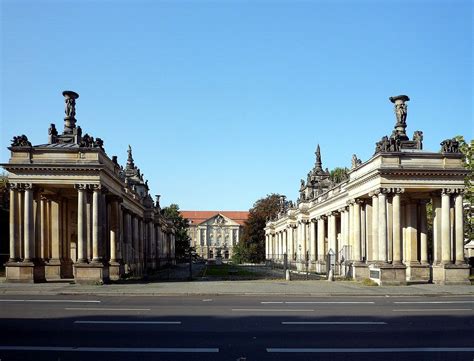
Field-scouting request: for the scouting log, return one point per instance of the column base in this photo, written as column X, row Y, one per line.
column 451, row 274
column 359, row 271
column 387, row 274
column 116, row 270
column 418, row 272
column 321, row 267
column 67, row 268
column 52, row 269
column 25, row 272
column 91, row 273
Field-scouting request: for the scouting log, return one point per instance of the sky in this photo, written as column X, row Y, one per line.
column 224, row 102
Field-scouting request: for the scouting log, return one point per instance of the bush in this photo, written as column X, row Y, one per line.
column 369, row 282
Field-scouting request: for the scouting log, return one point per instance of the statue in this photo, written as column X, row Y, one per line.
column 52, row 134
column 99, row 143
column 450, row 146
column 401, row 113
column 20, row 141
column 70, row 110
column 355, row 161
column 302, row 184
column 418, row 138
column 87, row 141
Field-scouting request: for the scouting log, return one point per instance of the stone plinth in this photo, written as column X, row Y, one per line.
column 116, row 270
column 418, row 272
column 387, row 274
column 88, row 273
column 25, row 272
column 321, row 267
column 360, row 271
column 451, row 274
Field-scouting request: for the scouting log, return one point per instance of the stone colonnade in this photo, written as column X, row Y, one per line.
column 384, row 231
column 86, row 233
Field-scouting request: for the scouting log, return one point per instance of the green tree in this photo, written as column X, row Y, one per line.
column 467, row 149
column 338, row 174
column 181, row 226
column 252, row 248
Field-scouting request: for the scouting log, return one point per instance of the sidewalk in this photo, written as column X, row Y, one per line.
column 237, row 288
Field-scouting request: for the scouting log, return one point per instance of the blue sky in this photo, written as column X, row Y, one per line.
column 224, row 102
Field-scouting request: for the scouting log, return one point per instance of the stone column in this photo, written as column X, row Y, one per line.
column 291, row 245
column 350, row 237
column 332, row 236
column 356, row 225
column 114, row 220
column 14, row 222
column 369, row 232
column 397, row 238
column 321, row 236
column 375, row 225
column 285, row 242
column 459, row 228
column 382, row 226
column 313, row 241
column 81, row 227
column 436, row 228
column 423, row 233
column 29, row 233
column 95, row 223
column 445, row 227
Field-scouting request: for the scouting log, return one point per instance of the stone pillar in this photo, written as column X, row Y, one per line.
column 369, row 232
column 321, row 236
column 313, row 241
column 423, row 233
column 375, row 226
column 445, row 228
column 351, row 229
column 436, row 200
column 81, row 226
column 291, row 245
column 363, row 233
column 14, row 223
column 397, row 237
column 114, row 215
column 459, row 228
column 29, row 233
column 356, row 233
column 332, row 235
column 95, row 223
column 411, row 233
column 382, row 227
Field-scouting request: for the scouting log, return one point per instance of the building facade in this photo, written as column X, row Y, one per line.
column 374, row 223
column 214, row 233
column 76, row 213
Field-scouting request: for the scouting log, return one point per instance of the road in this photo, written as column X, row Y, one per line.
column 236, row 327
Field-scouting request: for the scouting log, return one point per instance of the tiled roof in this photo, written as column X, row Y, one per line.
column 197, row 217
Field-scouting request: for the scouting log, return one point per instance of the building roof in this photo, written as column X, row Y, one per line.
column 197, row 217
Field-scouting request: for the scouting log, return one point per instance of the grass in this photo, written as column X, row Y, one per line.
column 226, row 270
column 368, row 282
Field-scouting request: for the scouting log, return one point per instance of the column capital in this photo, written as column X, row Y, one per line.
column 350, row 202
column 374, row 193
column 342, row 210
column 449, row 191
column 13, row 186
column 359, row 201
column 322, row 217
column 80, row 186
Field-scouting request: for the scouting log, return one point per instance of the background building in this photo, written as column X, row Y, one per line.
column 215, row 233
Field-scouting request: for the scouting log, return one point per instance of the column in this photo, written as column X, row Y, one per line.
column 332, row 236
column 368, row 231
column 285, row 242
column 459, row 228
column 397, row 239
column 350, row 238
column 81, row 234
column 29, row 224
column 445, row 227
column 56, row 246
column 291, row 246
column 423, row 233
column 14, row 221
column 382, row 227
column 375, row 226
column 321, row 235
column 114, row 220
column 436, row 200
column 356, row 224
column 95, row 223
column 312, row 237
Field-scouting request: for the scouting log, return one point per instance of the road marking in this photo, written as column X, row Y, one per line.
column 371, row 350
column 104, row 309
column 334, row 323
column 53, row 301
column 269, row 310
column 318, row 302
column 432, row 309
column 207, row 300
column 131, row 322
column 423, row 302
column 111, row 349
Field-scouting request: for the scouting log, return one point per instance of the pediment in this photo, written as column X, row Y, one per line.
column 219, row 220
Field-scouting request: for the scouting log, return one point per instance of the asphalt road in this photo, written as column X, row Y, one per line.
column 232, row 328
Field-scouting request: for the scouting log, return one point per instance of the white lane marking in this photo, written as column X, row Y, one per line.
column 371, row 350
column 53, row 301
column 269, row 310
column 105, row 309
column 131, row 322
column 432, row 309
column 110, row 349
column 318, row 302
column 207, row 300
column 333, row 323
column 428, row 302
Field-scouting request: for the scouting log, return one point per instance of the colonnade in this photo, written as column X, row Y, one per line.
column 386, row 227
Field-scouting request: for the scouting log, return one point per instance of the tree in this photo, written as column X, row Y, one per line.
column 338, row 175
column 181, row 226
column 252, row 248
column 467, row 149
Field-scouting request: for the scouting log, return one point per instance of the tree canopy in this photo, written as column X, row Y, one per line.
column 252, row 241
column 181, row 226
column 467, row 149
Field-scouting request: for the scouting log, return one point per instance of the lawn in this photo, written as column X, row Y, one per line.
column 225, row 270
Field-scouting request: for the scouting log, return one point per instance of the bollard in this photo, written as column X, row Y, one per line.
column 288, row 275
column 331, row 275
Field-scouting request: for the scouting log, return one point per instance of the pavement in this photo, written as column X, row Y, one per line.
column 253, row 287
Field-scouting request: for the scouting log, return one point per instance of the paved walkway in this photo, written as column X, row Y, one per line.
column 259, row 287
